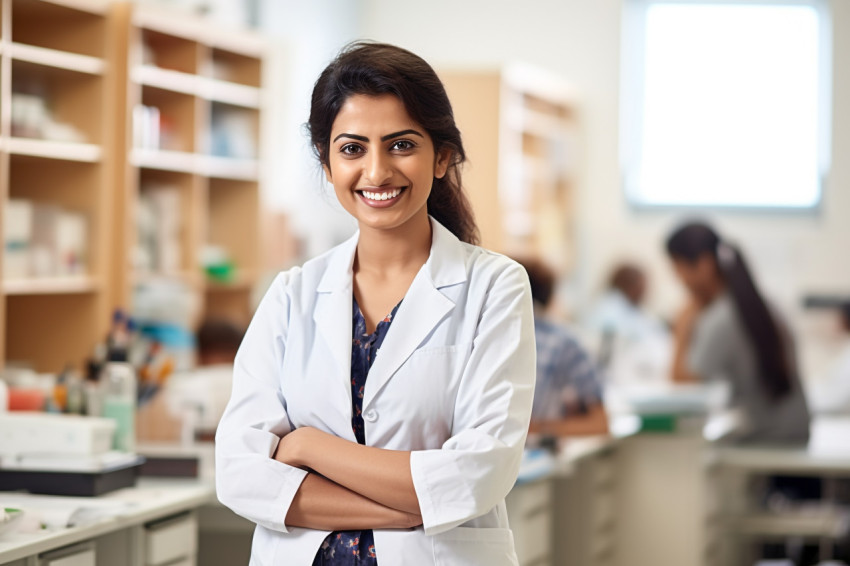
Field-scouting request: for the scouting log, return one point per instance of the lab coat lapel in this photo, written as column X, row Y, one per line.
column 333, row 313
column 423, row 307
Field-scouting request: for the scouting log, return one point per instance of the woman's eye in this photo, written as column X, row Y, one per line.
column 402, row 145
column 350, row 149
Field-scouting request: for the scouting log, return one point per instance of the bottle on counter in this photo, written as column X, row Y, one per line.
column 119, row 402
column 4, row 396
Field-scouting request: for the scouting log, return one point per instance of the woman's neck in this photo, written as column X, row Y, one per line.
column 384, row 252
column 714, row 291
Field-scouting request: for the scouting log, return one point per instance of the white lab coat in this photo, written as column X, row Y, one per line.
column 453, row 382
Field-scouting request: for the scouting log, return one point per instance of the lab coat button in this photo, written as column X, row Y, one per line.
column 371, row 415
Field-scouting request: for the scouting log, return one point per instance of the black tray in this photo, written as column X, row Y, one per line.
column 85, row 484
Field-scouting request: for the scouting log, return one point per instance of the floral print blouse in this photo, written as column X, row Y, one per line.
column 356, row 548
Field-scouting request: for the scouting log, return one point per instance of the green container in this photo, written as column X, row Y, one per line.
column 658, row 423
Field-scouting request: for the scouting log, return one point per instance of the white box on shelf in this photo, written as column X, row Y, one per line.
column 45, row 240
column 72, row 245
column 17, row 238
column 24, row 433
column 163, row 234
column 146, row 127
column 59, row 242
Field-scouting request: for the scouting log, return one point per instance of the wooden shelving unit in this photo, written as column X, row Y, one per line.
column 91, row 63
column 56, row 52
column 520, row 132
column 204, row 82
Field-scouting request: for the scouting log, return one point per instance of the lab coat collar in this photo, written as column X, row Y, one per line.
column 445, row 264
column 423, row 307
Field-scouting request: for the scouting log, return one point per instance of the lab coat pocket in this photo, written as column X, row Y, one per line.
column 422, row 394
column 470, row 546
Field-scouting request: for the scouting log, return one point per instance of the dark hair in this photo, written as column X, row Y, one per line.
column 378, row 68
column 628, row 279
column 695, row 239
column 845, row 311
column 541, row 277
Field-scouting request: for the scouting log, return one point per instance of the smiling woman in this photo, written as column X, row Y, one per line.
column 382, row 395
column 381, row 159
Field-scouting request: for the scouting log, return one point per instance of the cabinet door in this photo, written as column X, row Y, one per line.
column 172, row 540
column 78, row 555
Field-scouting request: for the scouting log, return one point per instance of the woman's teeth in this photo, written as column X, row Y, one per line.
column 382, row 196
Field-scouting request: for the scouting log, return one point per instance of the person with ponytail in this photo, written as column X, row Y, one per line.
column 382, row 394
column 729, row 331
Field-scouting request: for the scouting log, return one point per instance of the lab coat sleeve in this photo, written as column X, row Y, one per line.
column 476, row 468
column 248, row 480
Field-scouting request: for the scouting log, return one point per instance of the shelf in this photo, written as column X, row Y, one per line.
column 229, row 93
column 85, row 152
column 228, row 168
column 97, row 7
column 825, row 522
column 190, row 278
column 177, row 161
column 204, row 165
column 165, row 79
column 50, row 285
column 534, row 122
column 58, row 59
column 242, row 282
column 185, row 83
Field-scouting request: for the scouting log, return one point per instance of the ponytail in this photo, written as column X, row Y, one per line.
column 693, row 240
column 759, row 322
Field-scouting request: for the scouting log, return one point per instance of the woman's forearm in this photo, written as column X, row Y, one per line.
column 380, row 475
column 322, row 504
column 682, row 332
column 680, row 371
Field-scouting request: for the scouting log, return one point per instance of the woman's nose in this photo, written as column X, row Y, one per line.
column 378, row 170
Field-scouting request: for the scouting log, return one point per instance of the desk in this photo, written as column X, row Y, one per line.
column 741, row 521
column 129, row 536
column 565, row 515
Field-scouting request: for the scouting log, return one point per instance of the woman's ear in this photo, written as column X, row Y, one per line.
column 442, row 161
column 324, row 161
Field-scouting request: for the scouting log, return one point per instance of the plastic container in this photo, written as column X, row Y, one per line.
column 119, row 403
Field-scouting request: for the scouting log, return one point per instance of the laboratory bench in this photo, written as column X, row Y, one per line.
column 152, row 524
column 739, row 475
column 661, row 498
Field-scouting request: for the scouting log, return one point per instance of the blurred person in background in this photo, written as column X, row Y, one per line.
column 728, row 331
column 634, row 346
column 568, row 393
column 620, row 310
column 831, row 392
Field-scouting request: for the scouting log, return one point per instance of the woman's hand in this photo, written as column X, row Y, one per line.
column 297, row 447
column 685, row 322
column 682, row 331
column 291, row 448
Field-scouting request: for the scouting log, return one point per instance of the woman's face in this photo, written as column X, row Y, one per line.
column 700, row 277
column 382, row 163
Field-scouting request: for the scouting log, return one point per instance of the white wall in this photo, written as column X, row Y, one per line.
column 791, row 254
column 305, row 37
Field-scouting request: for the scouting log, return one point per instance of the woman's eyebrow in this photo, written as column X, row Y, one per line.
column 383, row 138
column 352, row 136
column 401, row 133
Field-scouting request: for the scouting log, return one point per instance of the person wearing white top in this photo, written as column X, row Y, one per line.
column 446, row 406
column 830, row 394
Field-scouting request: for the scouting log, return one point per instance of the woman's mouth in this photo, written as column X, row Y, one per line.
column 380, row 198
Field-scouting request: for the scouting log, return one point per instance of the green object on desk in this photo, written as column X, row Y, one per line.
column 658, row 423
column 221, row 272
